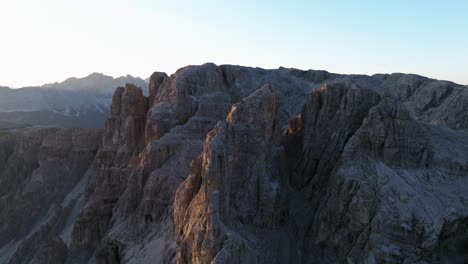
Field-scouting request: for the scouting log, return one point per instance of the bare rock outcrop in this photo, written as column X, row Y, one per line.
column 230, row 164
column 136, row 222
column 231, row 190
column 156, row 80
column 364, row 175
column 123, row 140
column 298, row 167
column 42, row 180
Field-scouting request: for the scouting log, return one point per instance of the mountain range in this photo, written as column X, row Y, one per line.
column 75, row 102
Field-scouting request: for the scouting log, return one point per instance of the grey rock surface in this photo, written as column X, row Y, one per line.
column 43, row 172
column 231, row 164
column 372, row 170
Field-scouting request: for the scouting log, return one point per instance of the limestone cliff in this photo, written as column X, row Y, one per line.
column 43, row 176
column 230, row 164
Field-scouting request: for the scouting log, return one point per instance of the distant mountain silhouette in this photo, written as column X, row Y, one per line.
column 75, row 102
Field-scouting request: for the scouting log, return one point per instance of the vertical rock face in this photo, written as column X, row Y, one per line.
column 125, row 127
column 156, row 80
column 361, row 175
column 122, row 142
column 42, row 181
column 230, row 164
column 231, row 186
column 243, row 182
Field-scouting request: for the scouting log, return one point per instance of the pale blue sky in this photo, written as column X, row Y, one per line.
column 50, row 40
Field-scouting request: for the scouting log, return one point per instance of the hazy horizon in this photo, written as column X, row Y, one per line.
column 169, row 73
column 50, row 41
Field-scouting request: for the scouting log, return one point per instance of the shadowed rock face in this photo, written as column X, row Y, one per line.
column 43, row 174
column 122, row 142
column 156, row 80
column 229, row 164
column 363, row 174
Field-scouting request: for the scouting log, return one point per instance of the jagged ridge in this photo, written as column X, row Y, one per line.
column 233, row 164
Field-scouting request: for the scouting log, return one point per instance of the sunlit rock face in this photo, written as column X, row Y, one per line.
column 230, row 164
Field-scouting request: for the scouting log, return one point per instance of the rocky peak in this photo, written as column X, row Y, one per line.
column 125, row 126
column 122, row 143
column 155, row 81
